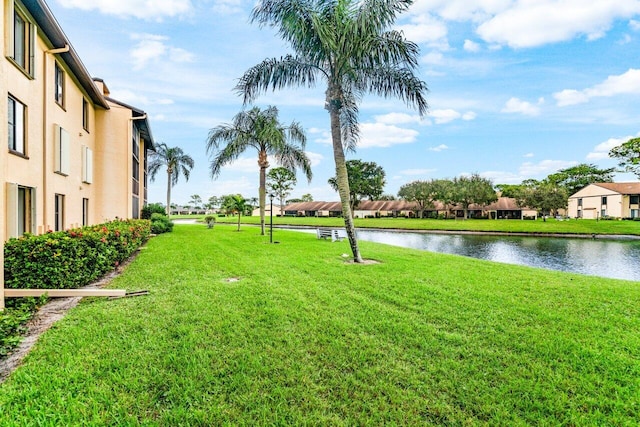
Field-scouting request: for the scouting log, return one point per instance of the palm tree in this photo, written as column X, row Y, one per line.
column 348, row 44
column 261, row 130
column 176, row 162
column 235, row 203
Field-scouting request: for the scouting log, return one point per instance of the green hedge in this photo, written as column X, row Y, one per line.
column 72, row 258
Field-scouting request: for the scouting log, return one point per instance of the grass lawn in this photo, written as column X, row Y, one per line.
column 582, row 226
column 237, row 331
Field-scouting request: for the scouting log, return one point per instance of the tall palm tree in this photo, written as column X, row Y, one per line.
column 176, row 162
column 261, row 130
column 348, row 44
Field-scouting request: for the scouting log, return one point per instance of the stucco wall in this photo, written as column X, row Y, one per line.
column 592, row 207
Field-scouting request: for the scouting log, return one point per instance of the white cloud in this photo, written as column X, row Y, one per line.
column 528, row 23
column 544, row 168
column 439, row 148
column 528, row 155
column 433, row 58
column 444, row 116
column 383, row 135
column 152, row 48
column 515, row 105
column 245, row 165
column 626, row 83
column 601, row 151
column 315, row 158
column 502, row 177
column 397, row 118
column 227, row 7
column 469, row 115
column 570, row 97
column 471, row 46
column 142, row 9
column 634, row 25
column 536, row 23
column 426, row 29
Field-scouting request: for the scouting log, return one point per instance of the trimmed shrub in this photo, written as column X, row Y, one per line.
column 160, row 224
column 73, row 258
column 152, row 208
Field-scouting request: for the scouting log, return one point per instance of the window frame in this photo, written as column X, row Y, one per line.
column 59, row 202
column 16, row 126
column 85, row 114
column 20, row 210
column 603, row 200
column 20, row 42
column 62, row 147
column 85, row 211
column 59, row 85
column 633, row 197
column 87, row 165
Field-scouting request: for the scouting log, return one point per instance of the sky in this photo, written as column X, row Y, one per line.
column 518, row 89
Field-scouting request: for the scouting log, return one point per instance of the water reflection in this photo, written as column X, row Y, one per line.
column 615, row 259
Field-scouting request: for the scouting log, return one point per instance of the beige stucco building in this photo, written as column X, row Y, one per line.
column 607, row 199
column 75, row 156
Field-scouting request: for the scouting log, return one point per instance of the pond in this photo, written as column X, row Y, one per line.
column 616, row 259
column 606, row 258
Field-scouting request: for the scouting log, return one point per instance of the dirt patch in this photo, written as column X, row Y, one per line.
column 364, row 262
column 46, row 316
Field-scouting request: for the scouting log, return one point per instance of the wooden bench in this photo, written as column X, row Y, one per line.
column 336, row 234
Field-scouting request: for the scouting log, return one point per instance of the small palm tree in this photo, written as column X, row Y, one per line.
column 176, row 162
column 235, row 204
column 259, row 129
column 348, row 44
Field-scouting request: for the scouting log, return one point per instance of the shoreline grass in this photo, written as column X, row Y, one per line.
column 550, row 226
column 238, row 331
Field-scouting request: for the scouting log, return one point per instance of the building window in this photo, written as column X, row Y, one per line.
column 135, row 165
column 59, row 85
column 21, row 47
column 634, row 199
column 135, row 207
column 579, row 202
column 61, row 155
column 634, row 213
column 59, row 212
column 21, row 210
column 603, row 213
column 85, row 114
column 85, row 212
column 604, row 200
column 16, row 125
column 87, row 165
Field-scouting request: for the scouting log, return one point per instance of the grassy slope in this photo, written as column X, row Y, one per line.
column 304, row 338
column 583, row 226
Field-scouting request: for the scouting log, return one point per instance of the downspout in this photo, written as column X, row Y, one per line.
column 45, row 165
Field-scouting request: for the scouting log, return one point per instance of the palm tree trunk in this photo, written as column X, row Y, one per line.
column 168, row 192
column 342, row 180
column 264, row 164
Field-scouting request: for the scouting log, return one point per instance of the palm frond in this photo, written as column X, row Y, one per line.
column 275, row 74
column 397, row 82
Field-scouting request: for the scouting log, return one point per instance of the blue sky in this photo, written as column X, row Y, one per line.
column 518, row 88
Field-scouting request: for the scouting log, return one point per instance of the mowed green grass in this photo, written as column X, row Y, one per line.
column 237, row 331
column 550, row 226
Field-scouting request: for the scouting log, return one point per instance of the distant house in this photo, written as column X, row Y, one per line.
column 503, row 208
column 606, row 199
column 267, row 210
